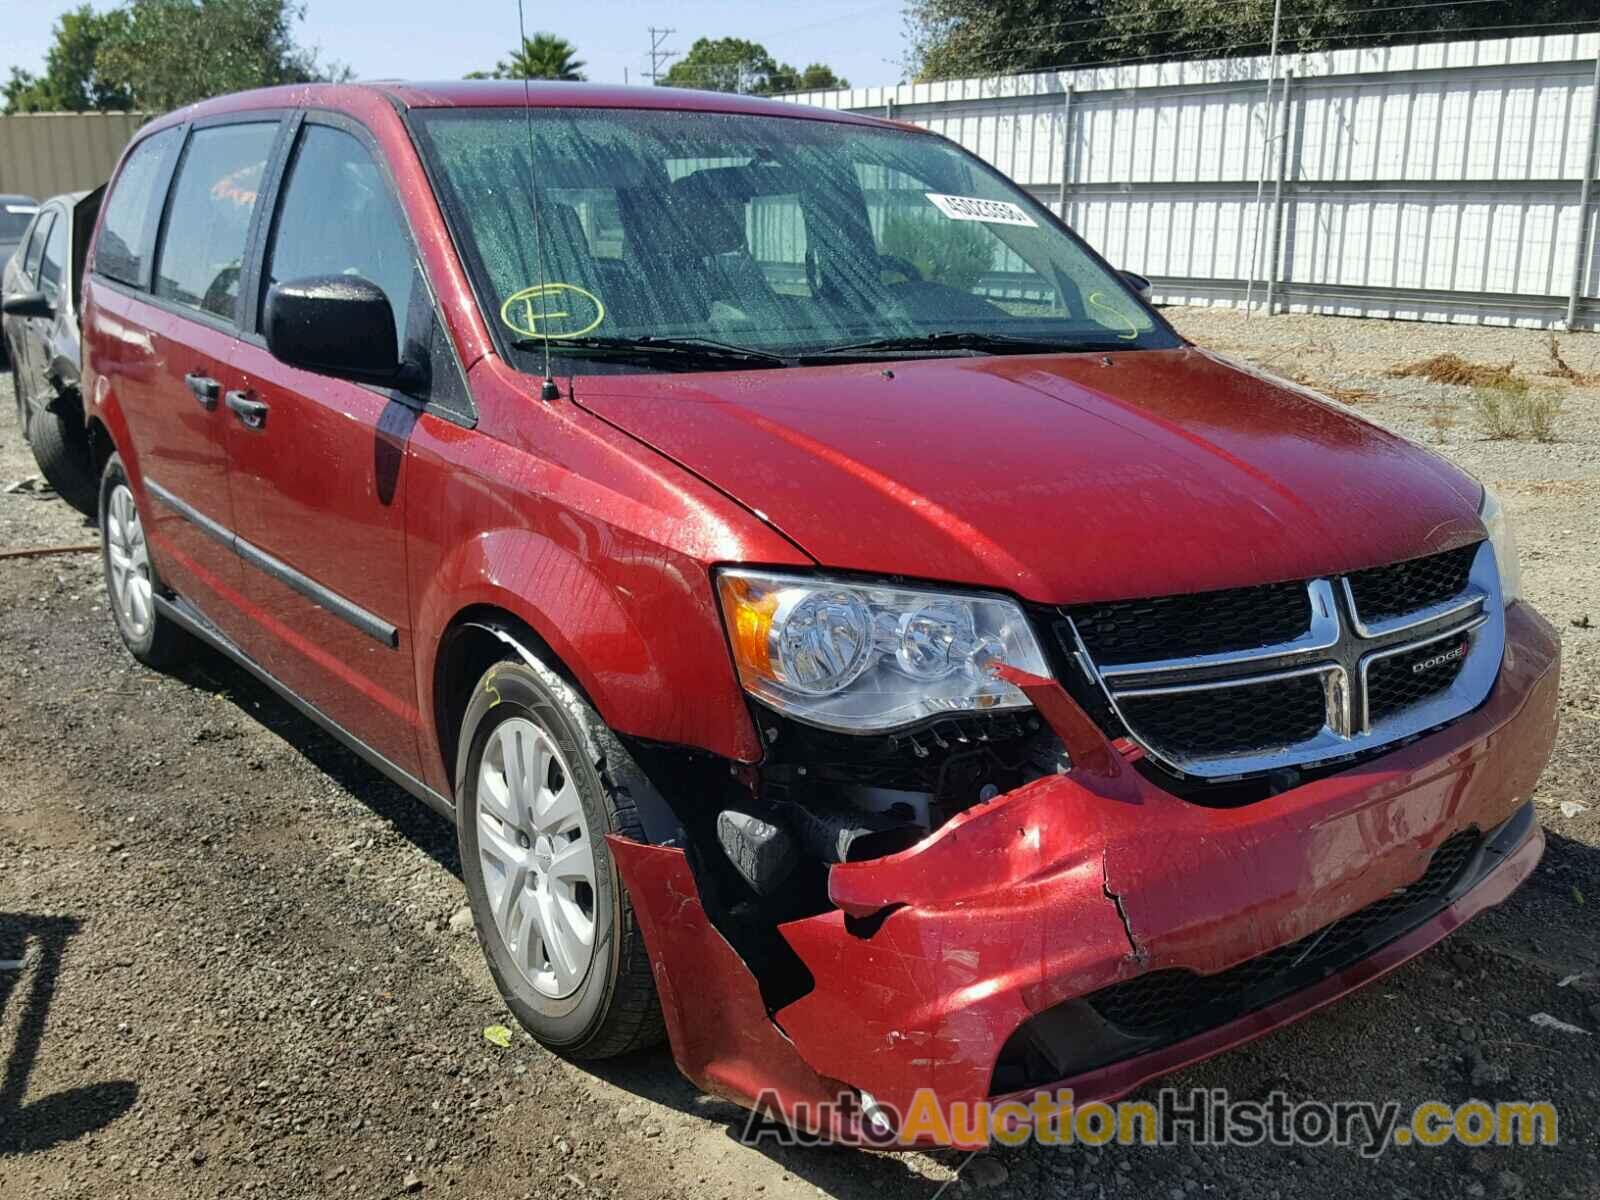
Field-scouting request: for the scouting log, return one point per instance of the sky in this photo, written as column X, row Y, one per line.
column 863, row 40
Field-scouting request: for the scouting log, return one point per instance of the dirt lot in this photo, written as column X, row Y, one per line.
column 241, row 977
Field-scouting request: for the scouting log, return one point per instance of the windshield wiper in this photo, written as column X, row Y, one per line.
column 973, row 340
column 681, row 351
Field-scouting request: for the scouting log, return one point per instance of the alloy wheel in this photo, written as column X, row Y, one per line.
column 129, row 558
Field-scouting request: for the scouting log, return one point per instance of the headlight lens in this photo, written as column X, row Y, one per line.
column 1504, row 541
column 863, row 658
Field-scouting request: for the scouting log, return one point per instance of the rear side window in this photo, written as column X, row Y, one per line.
column 53, row 266
column 129, row 226
column 338, row 217
column 41, row 231
column 208, row 218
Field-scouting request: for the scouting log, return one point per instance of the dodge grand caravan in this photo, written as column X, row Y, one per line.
column 851, row 632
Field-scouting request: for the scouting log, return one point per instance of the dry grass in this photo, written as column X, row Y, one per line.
column 1558, row 368
column 1442, row 419
column 1452, row 368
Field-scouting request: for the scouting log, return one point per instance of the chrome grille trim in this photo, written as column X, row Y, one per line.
column 1343, row 659
column 1322, row 635
column 1411, row 620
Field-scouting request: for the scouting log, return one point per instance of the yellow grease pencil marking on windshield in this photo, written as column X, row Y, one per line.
column 523, row 311
column 1099, row 301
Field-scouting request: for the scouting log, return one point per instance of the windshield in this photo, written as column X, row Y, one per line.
column 790, row 237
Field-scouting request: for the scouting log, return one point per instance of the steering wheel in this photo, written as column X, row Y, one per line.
column 901, row 266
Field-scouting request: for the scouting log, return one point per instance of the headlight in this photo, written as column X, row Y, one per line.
column 862, row 658
column 1504, row 541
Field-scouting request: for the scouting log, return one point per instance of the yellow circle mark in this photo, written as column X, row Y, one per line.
column 530, row 311
column 1098, row 299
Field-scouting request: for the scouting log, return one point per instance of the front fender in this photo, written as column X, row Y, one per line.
column 641, row 641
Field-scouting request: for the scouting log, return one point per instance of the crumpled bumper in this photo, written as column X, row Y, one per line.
column 1079, row 882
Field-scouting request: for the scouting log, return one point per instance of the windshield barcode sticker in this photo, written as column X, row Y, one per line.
column 975, row 208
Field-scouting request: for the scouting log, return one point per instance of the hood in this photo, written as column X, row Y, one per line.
column 1061, row 478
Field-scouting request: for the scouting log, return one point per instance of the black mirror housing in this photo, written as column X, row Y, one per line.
column 341, row 325
column 1139, row 282
column 28, row 304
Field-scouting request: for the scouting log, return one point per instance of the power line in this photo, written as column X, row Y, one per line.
column 659, row 53
column 1201, row 53
column 1131, row 34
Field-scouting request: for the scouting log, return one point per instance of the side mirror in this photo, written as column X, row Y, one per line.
column 339, row 325
column 1139, row 282
column 28, row 304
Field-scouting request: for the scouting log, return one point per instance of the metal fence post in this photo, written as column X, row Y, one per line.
column 1066, row 148
column 1275, row 246
column 1580, row 258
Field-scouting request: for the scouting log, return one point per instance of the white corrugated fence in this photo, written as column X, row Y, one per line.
column 1436, row 182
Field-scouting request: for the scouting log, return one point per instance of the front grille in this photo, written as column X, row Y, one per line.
column 1396, row 683
column 1236, row 684
column 1166, row 1006
column 1406, row 587
column 1126, row 631
column 1231, row 720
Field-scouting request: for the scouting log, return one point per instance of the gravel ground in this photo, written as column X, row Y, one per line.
column 242, row 978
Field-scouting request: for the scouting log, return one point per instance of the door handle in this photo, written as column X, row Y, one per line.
column 205, row 389
column 253, row 413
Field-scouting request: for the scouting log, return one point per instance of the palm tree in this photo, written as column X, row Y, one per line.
column 542, row 56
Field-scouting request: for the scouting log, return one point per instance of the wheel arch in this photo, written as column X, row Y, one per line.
column 476, row 638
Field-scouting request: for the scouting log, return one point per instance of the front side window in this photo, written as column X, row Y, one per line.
column 35, row 250
column 53, row 266
column 128, row 225
column 781, row 236
column 339, row 217
column 208, row 217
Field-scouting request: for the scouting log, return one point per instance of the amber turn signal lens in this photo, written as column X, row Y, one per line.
column 750, row 611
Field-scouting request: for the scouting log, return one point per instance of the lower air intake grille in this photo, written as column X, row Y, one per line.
column 1169, row 1005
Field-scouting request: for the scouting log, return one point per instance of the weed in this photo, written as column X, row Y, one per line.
column 1540, row 408
column 1516, row 409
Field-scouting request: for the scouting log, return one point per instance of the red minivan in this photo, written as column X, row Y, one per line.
column 850, row 630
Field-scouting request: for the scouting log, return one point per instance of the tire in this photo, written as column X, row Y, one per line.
column 61, row 448
column 513, row 858
column 150, row 637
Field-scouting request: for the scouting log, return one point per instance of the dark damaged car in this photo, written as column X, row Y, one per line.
column 41, row 292
column 851, row 631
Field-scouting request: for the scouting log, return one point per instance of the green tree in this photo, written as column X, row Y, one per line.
column 542, row 56
column 735, row 65
column 72, row 80
column 955, row 38
column 168, row 53
column 817, row 77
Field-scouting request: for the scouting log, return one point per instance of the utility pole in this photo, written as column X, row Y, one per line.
column 1270, row 121
column 659, row 54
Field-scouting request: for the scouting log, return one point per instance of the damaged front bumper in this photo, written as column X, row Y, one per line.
column 1092, row 931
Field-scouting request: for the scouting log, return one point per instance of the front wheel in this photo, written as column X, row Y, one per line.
column 540, row 781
